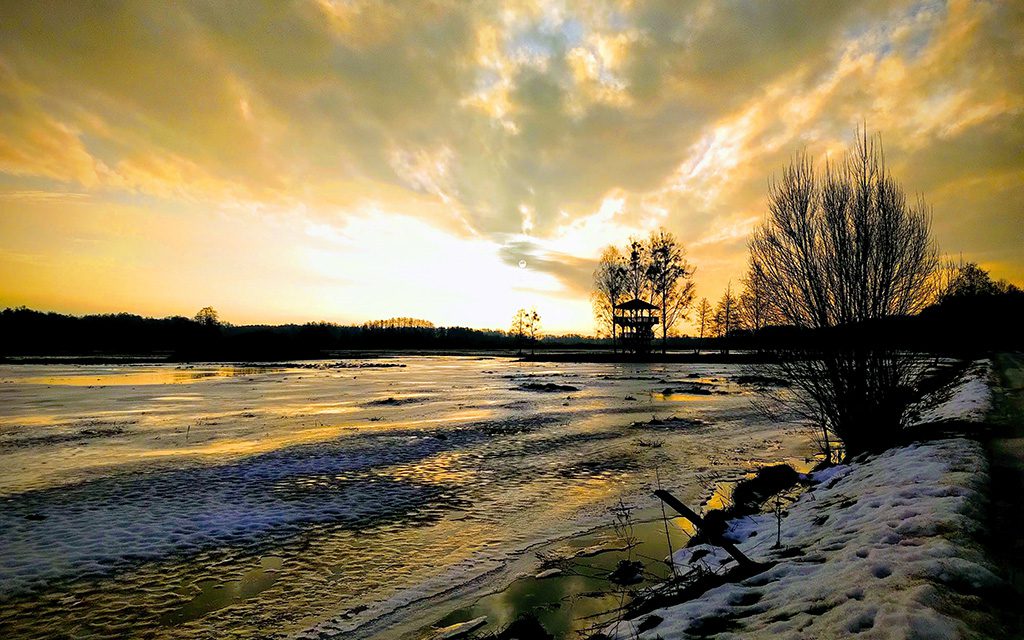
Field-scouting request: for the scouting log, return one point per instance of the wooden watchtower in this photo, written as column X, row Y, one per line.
column 635, row 319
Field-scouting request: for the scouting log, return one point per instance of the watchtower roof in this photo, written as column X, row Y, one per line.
column 636, row 304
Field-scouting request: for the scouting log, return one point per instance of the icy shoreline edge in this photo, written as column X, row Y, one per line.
column 888, row 547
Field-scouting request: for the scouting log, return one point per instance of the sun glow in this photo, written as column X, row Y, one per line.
column 379, row 161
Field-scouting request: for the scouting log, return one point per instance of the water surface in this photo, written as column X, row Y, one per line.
column 239, row 502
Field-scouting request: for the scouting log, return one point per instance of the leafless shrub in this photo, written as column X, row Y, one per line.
column 841, row 248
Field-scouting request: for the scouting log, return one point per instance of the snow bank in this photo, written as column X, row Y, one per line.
column 889, row 550
column 968, row 399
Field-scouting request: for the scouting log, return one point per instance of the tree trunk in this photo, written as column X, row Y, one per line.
column 664, row 327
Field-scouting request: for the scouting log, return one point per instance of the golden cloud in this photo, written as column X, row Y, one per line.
column 488, row 120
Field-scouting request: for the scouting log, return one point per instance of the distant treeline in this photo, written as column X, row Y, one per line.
column 26, row 332
column 962, row 323
column 969, row 321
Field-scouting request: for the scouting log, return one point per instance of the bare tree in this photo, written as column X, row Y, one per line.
column 533, row 328
column 727, row 317
column 637, row 263
column 609, row 288
column 755, row 308
column 520, row 324
column 670, row 280
column 655, row 271
column 705, row 317
column 841, row 248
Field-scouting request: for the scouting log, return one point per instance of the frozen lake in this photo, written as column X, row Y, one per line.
column 239, row 502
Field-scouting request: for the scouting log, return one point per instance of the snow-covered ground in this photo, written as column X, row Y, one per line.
column 888, row 548
column 967, row 400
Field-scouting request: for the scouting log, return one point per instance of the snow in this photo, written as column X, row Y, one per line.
column 829, row 473
column 889, row 550
column 706, row 556
column 968, row 399
column 743, row 528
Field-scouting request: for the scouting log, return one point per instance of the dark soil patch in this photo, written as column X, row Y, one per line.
column 628, row 572
column 650, row 622
column 749, row 495
column 525, row 626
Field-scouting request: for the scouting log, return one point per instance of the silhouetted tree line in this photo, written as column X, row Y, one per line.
column 398, row 323
column 843, row 293
column 25, row 332
column 972, row 314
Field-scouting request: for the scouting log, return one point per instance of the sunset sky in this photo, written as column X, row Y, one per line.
column 344, row 160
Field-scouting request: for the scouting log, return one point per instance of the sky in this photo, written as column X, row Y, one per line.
column 347, row 160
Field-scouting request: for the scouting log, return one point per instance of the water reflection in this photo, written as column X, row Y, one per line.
column 157, row 512
column 214, row 595
column 149, row 376
column 580, row 597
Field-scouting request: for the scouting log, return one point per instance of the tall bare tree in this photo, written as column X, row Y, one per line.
column 533, row 328
column 839, row 248
column 520, row 327
column 704, row 319
column 609, row 289
column 727, row 317
column 637, row 262
column 755, row 308
column 670, row 280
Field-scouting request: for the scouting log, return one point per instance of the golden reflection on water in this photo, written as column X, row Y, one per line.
column 37, row 420
column 147, row 377
column 313, row 409
column 216, row 594
column 324, row 432
column 461, row 415
column 444, row 468
column 249, row 446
